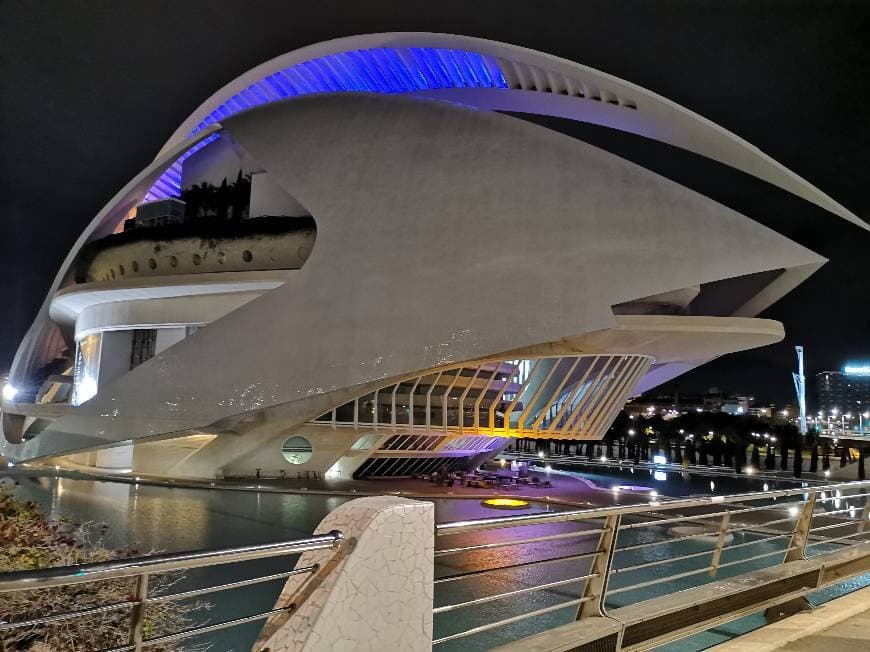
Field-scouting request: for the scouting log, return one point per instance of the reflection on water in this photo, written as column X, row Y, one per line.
column 167, row 519
column 177, row 519
column 676, row 483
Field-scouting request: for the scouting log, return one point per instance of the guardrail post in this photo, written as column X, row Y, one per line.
column 596, row 586
column 720, row 543
column 797, row 544
column 865, row 516
column 137, row 616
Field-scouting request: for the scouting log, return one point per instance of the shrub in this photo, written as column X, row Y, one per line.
column 29, row 540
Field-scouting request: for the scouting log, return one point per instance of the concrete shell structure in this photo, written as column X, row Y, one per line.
column 448, row 276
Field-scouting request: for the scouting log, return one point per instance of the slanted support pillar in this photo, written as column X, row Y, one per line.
column 596, row 586
column 797, row 546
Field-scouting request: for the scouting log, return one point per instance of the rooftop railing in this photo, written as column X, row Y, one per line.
column 143, row 568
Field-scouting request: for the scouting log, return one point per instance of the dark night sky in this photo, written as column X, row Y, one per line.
column 89, row 92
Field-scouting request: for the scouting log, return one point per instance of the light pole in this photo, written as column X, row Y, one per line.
column 800, row 390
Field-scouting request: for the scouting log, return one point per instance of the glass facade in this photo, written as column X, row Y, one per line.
column 86, row 369
column 842, row 392
column 562, row 397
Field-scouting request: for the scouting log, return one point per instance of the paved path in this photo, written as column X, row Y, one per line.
column 850, row 634
column 841, row 625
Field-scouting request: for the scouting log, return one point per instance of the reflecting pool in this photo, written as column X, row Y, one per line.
column 172, row 519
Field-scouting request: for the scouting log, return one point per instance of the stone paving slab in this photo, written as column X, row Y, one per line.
column 841, row 624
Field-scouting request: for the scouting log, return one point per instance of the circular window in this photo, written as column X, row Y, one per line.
column 197, row 259
column 296, row 450
column 135, row 266
column 247, row 256
column 152, row 263
column 173, row 261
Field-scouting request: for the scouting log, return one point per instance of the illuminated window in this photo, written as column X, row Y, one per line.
column 296, row 450
column 86, row 369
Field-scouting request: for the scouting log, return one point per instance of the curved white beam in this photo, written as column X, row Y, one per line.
column 651, row 115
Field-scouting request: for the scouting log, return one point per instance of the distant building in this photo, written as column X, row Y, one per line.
column 163, row 212
column 714, row 400
column 844, row 391
column 737, row 404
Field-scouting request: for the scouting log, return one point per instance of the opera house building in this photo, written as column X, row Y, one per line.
column 363, row 259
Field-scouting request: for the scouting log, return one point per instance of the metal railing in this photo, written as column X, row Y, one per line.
column 591, row 562
column 616, row 462
column 142, row 568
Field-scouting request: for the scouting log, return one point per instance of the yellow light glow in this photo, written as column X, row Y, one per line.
column 505, row 503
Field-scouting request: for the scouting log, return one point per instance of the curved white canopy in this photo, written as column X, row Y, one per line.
column 529, row 82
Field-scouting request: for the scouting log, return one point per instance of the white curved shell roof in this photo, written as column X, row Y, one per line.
column 492, row 75
column 480, row 74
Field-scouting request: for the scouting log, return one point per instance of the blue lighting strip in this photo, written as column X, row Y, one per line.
column 380, row 70
column 169, row 183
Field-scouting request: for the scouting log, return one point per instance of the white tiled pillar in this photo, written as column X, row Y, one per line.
column 377, row 596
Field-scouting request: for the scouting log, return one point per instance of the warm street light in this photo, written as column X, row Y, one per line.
column 9, row 392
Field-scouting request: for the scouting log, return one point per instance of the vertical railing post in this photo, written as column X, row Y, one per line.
column 865, row 516
column 137, row 616
column 596, row 586
column 797, row 544
column 720, row 543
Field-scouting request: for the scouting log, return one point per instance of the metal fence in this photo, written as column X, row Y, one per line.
column 546, row 570
column 647, row 566
column 142, row 568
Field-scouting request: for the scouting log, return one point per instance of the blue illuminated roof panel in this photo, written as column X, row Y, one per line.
column 379, row 70
column 169, row 183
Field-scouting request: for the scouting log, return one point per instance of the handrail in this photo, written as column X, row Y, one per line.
column 760, row 512
column 143, row 567
column 104, row 570
column 472, row 525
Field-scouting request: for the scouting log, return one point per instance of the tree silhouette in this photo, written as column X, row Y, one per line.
column 770, row 458
column 225, row 202
column 691, row 451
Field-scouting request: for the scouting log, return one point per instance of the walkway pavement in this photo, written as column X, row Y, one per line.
column 851, row 634
column 841, row 625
